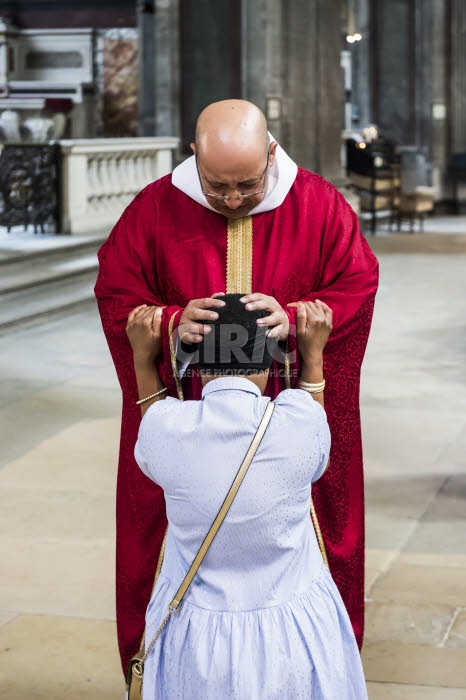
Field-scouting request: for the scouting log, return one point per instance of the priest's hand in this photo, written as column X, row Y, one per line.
column 191, row 328
column 278, row 318
column 144, row 333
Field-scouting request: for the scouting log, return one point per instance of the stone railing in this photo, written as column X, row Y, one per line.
column 100, row 177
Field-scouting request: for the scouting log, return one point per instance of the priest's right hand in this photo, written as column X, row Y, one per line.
column 191, row 328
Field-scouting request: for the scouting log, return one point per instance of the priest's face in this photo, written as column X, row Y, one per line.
column 234, row 183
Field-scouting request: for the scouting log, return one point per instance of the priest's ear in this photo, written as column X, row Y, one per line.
column 193, row 147
column 272, row 151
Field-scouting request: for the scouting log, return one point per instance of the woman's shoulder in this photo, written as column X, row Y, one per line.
column 162, row 413
column 297, row 409
column 298, row 399
column 159, row 408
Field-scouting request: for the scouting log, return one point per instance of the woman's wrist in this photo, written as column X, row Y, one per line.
column 143, row 361
column 149, row 383
column 312, row 369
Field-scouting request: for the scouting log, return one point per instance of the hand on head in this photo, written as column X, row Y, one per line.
column 313, row 327
column 277, row 320
column 192, row 326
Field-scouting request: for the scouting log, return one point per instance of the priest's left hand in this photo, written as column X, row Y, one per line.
column 278, row 318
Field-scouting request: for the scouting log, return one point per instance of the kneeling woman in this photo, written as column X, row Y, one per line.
column 262, row 618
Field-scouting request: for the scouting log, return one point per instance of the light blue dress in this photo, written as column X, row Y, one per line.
column 263, row 619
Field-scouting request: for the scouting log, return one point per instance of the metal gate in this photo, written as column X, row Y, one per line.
column 30, row 186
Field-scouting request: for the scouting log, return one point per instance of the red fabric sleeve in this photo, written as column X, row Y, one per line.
column 127, row 279
column 348, row 270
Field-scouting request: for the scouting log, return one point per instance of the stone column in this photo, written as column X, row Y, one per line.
column 440, row 97
column 330, row 91
column 211, row 56
column 147, row 65
column 360, row 52
column 167, row 67
column 392, row 80
column 423, row 31
column 255, row 19
column 261, row 60
column 3, row 56
column 275, row 75
column 401, row 83
column 458, row 76
column 291, row 69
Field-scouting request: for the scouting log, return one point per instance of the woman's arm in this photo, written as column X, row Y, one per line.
column 312, row 372
column 313, row 327
column 144, row 332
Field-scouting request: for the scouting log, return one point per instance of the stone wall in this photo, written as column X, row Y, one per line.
column 291, row 69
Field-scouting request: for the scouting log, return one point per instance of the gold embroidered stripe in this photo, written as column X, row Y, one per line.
column 239, row 256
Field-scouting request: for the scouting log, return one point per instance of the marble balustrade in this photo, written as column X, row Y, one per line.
column 100, row 177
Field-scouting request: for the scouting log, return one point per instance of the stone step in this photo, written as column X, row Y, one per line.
column 32, row 273
column 20, row 277
column 31, row 305
column 37, row 249
column 47, row 278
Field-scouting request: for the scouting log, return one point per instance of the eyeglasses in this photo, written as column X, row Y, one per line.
column 245, row 195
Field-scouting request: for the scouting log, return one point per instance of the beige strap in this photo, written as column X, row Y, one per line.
column 137, row 669
column 318, row 532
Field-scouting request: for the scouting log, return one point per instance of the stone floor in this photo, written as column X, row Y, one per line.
column 59, row 418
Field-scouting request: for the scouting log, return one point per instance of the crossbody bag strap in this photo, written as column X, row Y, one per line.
column 225, row 507
column 203, row 549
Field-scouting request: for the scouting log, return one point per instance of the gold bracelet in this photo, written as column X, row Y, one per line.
column 152, row 396
column 312, row 388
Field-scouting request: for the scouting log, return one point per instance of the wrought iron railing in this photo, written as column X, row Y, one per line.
column 30, row 181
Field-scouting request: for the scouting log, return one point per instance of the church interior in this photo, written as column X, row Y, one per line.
column 97, row 100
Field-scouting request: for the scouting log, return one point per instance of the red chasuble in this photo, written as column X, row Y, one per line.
column 166, row 250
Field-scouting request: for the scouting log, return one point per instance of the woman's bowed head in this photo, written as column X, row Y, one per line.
column 237, row 340
column 313, row 327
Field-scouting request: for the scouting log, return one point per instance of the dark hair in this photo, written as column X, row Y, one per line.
column 236, row 344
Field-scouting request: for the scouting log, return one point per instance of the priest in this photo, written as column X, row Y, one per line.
column 239, row 216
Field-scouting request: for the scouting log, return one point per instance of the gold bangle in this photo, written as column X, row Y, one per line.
column 152, row 396
column 312, row 388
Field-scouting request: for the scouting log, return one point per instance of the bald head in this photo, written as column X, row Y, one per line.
column 231, row 127
column 233, row 156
